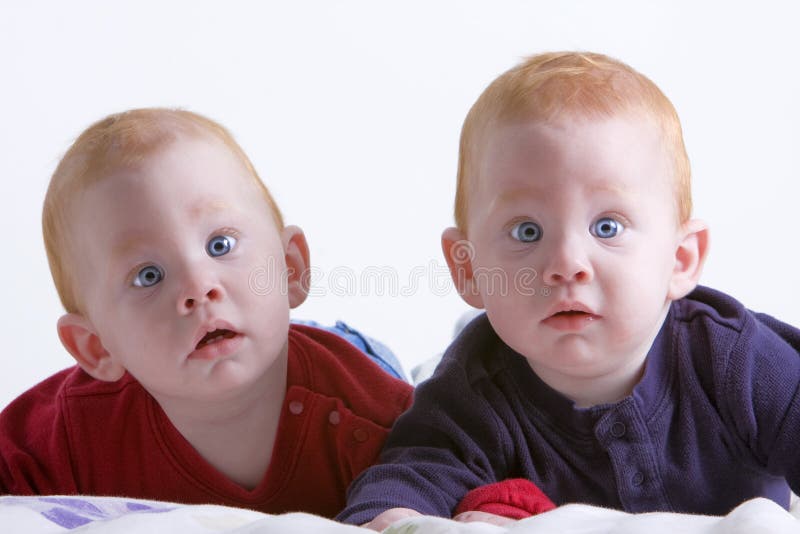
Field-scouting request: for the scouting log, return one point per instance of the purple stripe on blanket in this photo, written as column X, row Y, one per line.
column 74, row 512
column 76, row 504
column 65, row 518
column 141, row 507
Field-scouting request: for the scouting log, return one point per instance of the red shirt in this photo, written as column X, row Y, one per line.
column 72, row 434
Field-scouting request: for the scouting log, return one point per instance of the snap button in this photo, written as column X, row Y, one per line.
column 637, row 478
column 360, row 435
column 334, row 418
column 296, row 407
column 618, row 429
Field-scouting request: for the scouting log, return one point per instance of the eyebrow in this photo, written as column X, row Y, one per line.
column 206, row 207
column 535, row 192
column 130, row 241
column 510, row 195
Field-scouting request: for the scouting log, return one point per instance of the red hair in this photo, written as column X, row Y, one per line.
column 584, row 84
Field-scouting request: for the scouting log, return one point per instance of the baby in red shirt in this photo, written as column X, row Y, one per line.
column 177, row 274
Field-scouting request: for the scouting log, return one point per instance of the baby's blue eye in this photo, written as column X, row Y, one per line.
column 606, row 228
column 148, row 276
column 527, row 232
column 219, row 245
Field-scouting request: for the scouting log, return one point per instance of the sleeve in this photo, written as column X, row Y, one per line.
column 762, row 388
column 515, row 498
column 448, row 443
column 34, row 449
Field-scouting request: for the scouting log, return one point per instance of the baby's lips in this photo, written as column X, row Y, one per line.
column 209, row 327
column 214, row 336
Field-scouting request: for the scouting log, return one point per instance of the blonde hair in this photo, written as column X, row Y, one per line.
column 121, row 140
column 585, row 84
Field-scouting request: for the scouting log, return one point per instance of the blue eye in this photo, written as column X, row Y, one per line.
column 219, row 245
column 606, row 228
column 527, row 232
column 148, row 276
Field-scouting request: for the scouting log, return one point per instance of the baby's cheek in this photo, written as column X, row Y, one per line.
column 620, row 326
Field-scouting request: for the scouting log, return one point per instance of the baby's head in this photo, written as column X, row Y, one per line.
column 573, row 207
column 559, row 85
column 170, row 255
column 119, row 141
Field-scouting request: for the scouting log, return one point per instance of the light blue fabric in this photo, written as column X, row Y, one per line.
column 377, row 351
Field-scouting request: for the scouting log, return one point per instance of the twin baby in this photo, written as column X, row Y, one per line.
column 609, row 378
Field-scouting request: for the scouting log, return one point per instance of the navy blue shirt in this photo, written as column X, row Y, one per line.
column 714, row 421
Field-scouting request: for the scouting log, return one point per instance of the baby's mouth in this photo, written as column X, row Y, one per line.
column 570, row 313
column 214, row 336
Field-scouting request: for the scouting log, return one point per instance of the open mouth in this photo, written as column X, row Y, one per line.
column 570, row 313
column 571, row 320
column 215, row 336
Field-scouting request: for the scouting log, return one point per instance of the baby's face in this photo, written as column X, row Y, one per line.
column 180, row 266
column 578, row 215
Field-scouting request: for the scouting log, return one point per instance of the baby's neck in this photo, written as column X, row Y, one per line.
column 604, row 390
column 595, row 388
column 237, row 438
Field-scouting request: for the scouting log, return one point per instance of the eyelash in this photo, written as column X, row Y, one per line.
column 623, row 221
column 131, row 278
column 225, row 231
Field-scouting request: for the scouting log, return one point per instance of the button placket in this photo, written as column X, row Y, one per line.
column 622, row 432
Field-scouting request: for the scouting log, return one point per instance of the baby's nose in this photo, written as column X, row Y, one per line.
column 568, row 263
column 197, row 295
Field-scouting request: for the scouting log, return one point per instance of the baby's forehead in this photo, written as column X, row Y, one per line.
column 180, row 151
column 607, row 156
column 540, row 141
column 130, row 211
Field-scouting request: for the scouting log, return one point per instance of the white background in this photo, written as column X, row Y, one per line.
column 351, row 110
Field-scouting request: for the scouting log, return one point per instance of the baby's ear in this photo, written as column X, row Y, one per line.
column 690, row 256
column 296, row 254
column 459, row 253
column 79, row 338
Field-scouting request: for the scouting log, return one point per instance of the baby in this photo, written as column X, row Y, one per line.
column 177, row 274
column 600, row 372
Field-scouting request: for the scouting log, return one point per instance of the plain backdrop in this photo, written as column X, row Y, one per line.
column 351, row 111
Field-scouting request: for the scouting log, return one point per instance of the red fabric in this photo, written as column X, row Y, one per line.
column 72, row 434
column 516, row 498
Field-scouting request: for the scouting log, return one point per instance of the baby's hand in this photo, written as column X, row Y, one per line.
column 384, row 519
column 485, row 517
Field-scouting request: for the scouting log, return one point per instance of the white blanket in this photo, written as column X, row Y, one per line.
column 108, row 515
